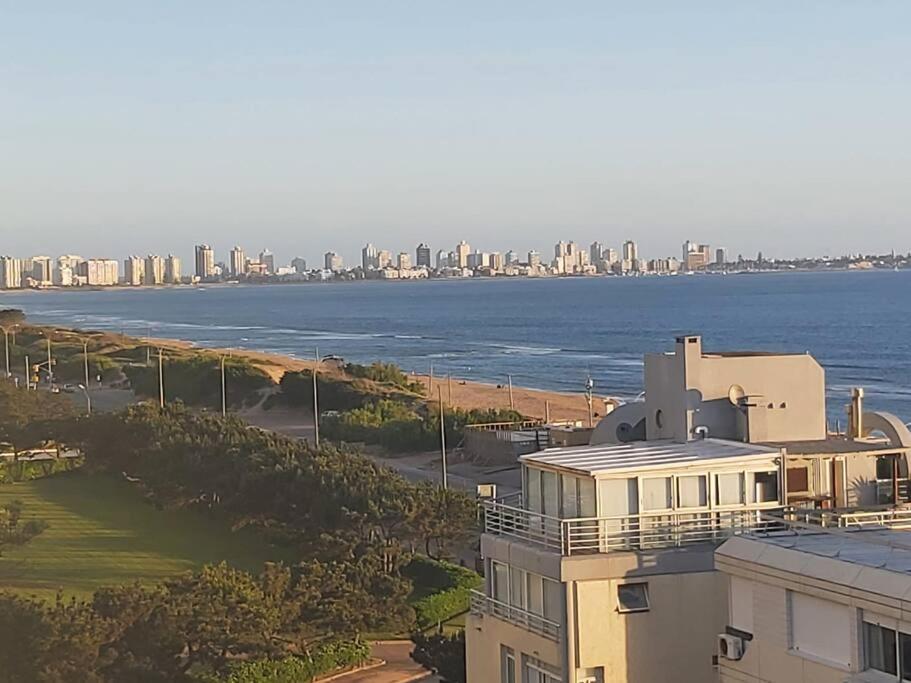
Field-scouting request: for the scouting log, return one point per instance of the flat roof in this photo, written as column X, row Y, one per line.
column 835, row 445
column 857, row 557
column 637, row 456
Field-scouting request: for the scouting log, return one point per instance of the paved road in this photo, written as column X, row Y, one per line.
column 399, row 668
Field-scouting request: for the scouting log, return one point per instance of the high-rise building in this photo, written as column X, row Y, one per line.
column 462, row 250
column 422, row 256
column 443, row 259
column 299, row 265
column 10, row 272
column 534, row 259
column 267, row 258
column 237, row 262
column 610, row 255
column 205, row 261
column 495, row 261
column 100, row 272
column 477, row 259
column 511, row 258
column 384, row 258
column 596, row 252
column 332, row 261
column 65, row 270
column 696, row 256
column 134, row 271
column 172, row 269
column 370, row 259
column 404, row 261
column 154, row 274
column 630, row 251
column 721, row 256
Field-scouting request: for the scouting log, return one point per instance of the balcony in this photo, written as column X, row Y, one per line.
column 482, row 605
column 650, row 531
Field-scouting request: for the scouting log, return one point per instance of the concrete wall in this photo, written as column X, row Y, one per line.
column 485, row 635
column 673, row 641
column 690, row 388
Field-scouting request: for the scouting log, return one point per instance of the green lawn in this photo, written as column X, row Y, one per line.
column 102, row 532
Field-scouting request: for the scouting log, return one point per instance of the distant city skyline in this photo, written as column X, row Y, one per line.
column 779, row 127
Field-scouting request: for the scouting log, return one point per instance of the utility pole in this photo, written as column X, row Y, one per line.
column 512, row 405
column 443, row 440
column 6, row 339
column 430, row 383
column 449, row 382
column 316, row 402
column 28, row 377
column 546, row 412
column 160, row 378
column 85, row 362
column 50, row 364
column 589, row 386
column 224, row 400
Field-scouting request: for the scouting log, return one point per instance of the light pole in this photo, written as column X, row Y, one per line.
column 160, row 378
column 224, row 400
column 315, row 403
column 85, row 361
column 6, row 339
column 443, row 441
column 50, row 363
column 589, row 386
column 28, row 377
column 88, row 399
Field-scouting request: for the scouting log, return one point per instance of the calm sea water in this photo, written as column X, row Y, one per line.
column 548, row 333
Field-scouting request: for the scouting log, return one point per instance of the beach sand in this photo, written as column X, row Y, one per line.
column 461, row 393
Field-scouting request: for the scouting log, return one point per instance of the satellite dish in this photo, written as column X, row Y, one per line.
column 736, row 394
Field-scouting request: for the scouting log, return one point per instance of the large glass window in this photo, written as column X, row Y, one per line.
column 904, row 646
column 507, row 665
column 536, row 671
column 552, row 603
column 535, row 594
column 763, row 487
column 550, row 491
column 729, row 488
column 587, row 497
column 691, row 491
column 656, row 493
column 517, row 592
column 500, row 581
column 533, row 489
column 880, row 648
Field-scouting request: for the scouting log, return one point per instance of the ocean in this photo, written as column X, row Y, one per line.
column 547, row 333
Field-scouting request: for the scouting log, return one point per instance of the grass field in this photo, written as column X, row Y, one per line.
column 102, row 533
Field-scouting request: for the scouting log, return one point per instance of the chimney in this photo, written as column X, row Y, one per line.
column 856, row 413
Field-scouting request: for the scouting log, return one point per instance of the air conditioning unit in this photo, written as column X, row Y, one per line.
column 487, row 491
column 730, row 647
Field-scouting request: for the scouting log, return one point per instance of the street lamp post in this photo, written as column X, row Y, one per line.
column 88, row 399
column 224, row 399
column 160, row 378
column 589, row 386
column 6, row 340
column 85, row 361
column 316, row 403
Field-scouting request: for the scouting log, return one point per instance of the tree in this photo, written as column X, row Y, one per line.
column 443, row 655
column 11, row 316
column 14, row 531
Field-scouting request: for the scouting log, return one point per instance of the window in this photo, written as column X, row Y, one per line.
column 798, row 479
column 553, row 603
column 656, row 493
column 533, row 488
column 517, row 594
column 729, row 488
column 536, row 671
column 550, row 493
column 764, row 487
column 500, row 581
column 507, row 665
column 879, row 648
column 904, row 644
column 821, row 629
column 535, row 594
column 578, row 496
column 691, row 491
column 632, row 597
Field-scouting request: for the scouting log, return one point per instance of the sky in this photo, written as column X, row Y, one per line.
column 302, row 127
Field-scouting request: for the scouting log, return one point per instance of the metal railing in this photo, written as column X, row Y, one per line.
column 890, row 518
column 482, row 605
column 649, row 531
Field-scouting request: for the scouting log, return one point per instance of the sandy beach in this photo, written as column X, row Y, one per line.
column 535, row 403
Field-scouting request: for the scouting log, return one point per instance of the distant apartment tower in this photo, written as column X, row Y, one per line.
column 205, row 261
column 721, row 256
column 596, row 252
column 443, row 259
column 630, row 251
column 134, row 271
column 41, row 270
column 462, row 251
column 370, row 259
column 610, row 255
column 511, row 258
column 534, row 259
column 696, row 256
column 100, row 272
column 172, row 269
column 65, row 270
column 10, row 273
column 299, row 265
column 422, row 256
column 237, row 262
column 404, row 261
column 495, row 261
column 154, row 274
column 267, row 258
column 332, row 261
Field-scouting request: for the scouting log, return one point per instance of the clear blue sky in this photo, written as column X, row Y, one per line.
column 300, row 126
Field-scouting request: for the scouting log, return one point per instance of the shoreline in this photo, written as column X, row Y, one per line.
column 458, row 392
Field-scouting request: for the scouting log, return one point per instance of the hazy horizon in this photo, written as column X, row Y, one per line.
column 304, row 127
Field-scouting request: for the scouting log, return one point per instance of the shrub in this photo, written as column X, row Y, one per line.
column 322, row 660
column 442, row 590
column 441, row 654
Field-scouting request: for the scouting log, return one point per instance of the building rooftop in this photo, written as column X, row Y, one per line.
column 834, row 445
column 637, row 456
column 862, row 558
